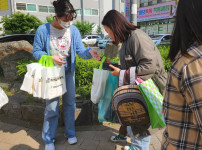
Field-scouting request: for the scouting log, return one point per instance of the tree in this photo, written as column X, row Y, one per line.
column 99, row 30
column 20, row 23
column 50, row 18
column 84, row 27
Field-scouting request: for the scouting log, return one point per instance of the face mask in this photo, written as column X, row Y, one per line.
column 65, row 24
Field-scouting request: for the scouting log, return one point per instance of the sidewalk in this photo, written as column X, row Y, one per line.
column 96, row 137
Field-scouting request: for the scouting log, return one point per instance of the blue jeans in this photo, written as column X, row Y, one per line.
column 140, row 143
column 51, row 113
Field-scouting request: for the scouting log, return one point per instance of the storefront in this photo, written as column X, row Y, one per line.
column 157, row 19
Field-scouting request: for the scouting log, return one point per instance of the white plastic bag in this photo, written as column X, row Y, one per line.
column 98, row 85
column 3, row 98
column 28, row 81
column 37, row 92
column 53, row 84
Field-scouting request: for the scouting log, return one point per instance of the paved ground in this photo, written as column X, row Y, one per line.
column 15, row 137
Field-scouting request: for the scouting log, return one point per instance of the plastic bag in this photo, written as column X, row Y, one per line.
column 98, row 84
column 3, row 98
column 105, row 111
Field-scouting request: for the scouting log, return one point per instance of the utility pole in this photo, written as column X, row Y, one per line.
column 133, row 16
column 82, row 13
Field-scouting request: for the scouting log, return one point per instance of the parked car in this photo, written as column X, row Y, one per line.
column 102, row 43
column 18, row 37
column 160, row 39
column 91, row 39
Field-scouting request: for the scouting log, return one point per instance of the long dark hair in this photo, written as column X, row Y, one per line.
column 120, row 27
column 187, row 28
column 64, row 8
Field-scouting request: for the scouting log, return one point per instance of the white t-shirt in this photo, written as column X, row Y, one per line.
column 60, row 42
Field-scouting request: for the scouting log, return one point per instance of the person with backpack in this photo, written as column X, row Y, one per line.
column 183, row 97
column 139, row 51
column 61, row 40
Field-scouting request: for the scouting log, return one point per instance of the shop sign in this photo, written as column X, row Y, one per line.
column 127, row 9
column 155, row 12
column 3, row 5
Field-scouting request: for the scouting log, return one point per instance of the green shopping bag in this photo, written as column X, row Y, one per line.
column 154, row 101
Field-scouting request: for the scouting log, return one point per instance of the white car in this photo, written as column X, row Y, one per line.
column 91, row 39
column 160, row 39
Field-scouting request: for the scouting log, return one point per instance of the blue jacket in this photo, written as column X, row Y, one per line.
column 41, row 44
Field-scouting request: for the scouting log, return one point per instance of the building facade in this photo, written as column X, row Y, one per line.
column 156, row 16
column 91, row 11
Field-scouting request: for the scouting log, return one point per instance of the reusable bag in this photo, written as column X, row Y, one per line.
column 53, row 80
column 3, row 98
column 105, row 111
column 37, row 91
column 98, row 84
column 154, row 101
column 28, row 81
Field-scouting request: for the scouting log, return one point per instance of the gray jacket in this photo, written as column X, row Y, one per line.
column 139, row 50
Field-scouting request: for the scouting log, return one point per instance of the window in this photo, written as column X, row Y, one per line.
column 93, row 12
column 159, row 1
column 94, row 37
column 142, row 5
column 31, row 7
column 43, row 8
column 78, row 11
column 21, row 6
column 87, row 11
column 149, row 3
column 122, row 1
column 51, row 9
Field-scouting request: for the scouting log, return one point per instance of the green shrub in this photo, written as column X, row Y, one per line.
column 22, row 66
column 164, row 50
column 20, row 23
column 84, row 27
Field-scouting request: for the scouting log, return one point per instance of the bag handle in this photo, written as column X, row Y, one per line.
column 46, row 61
column 103, row 59
column 42, row 60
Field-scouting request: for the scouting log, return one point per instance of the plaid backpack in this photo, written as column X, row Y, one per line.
column 129, row 104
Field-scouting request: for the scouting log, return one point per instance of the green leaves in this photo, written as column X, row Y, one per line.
column 50, row 18
column 164, row 50
column 84, row 27
column 20, row 23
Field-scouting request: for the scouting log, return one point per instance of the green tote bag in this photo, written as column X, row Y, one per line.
column 154, row 101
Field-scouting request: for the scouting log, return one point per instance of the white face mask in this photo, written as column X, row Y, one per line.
column 65, row 24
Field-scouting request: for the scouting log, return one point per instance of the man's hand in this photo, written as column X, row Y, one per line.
column 58, row 60
column 116, row 70
column 94, row 54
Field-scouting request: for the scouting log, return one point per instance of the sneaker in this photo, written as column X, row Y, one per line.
column 129, row 147
column 50, row 146
column 72, row 140
column 118, row 138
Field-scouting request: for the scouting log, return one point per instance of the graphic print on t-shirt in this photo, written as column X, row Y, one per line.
column 60, row 42
column 63, row 45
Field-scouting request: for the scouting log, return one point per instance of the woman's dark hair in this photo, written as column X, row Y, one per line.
column 187, row 28
column 120, row 27
column 64, row 8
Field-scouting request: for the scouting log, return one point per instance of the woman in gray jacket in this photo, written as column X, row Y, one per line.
column 137, row 50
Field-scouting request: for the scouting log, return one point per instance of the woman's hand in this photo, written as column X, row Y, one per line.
column 94, row 54
column 58, row 60
column 116, row 70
